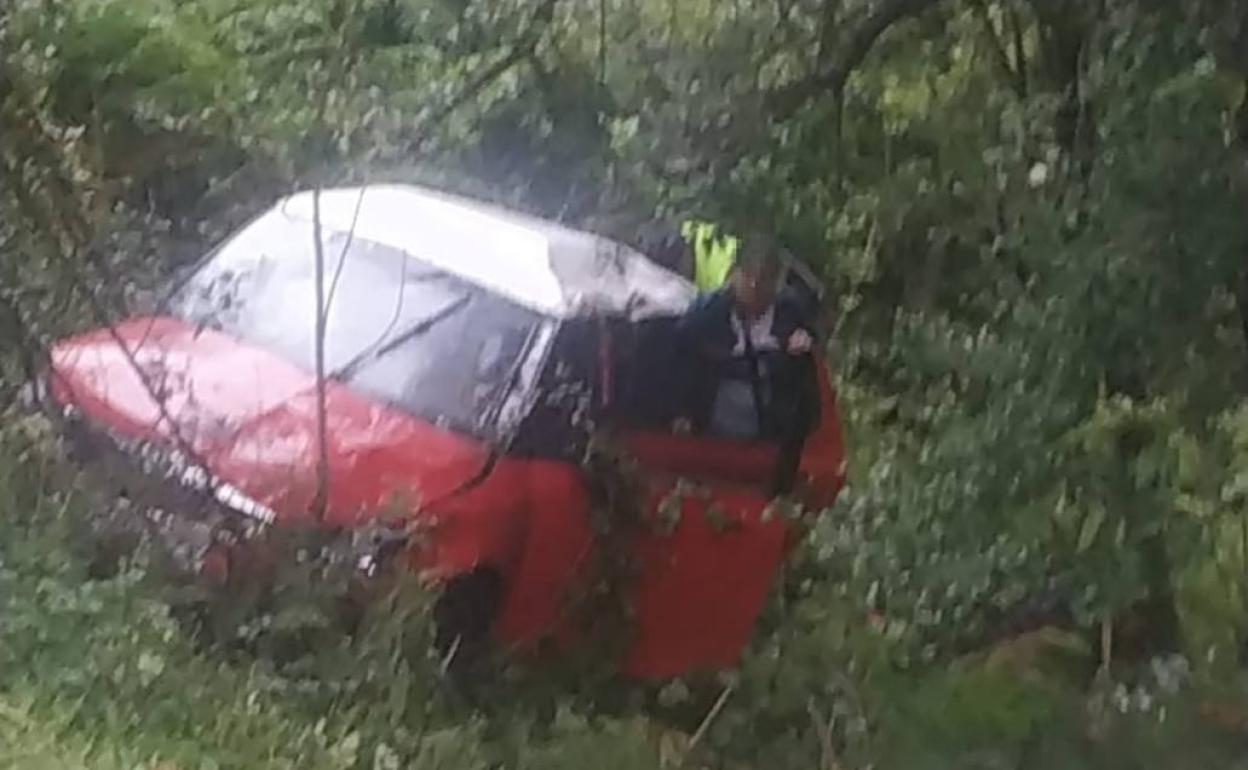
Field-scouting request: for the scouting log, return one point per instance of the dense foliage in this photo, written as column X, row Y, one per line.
column 1031, row 213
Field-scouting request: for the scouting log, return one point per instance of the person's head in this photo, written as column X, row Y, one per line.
column 755, row 276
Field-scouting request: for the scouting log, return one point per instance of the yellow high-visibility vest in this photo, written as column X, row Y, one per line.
column 713, row 256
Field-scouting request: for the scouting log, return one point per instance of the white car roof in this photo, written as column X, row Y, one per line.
column 550, row 268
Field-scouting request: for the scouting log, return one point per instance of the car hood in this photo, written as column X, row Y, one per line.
column 250, row 418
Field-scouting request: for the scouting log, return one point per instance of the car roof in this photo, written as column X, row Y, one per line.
column 553, row 269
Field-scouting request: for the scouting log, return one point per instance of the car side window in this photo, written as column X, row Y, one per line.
column 558, row 423
column 652, row 374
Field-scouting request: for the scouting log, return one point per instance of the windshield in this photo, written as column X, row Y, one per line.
column 396, row 328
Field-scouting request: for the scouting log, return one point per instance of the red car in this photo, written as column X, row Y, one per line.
column 470, row 353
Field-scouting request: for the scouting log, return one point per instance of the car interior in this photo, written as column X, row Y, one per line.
column 637, row 377
column 650, row 395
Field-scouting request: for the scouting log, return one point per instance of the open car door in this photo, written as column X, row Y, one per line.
column 712, row 547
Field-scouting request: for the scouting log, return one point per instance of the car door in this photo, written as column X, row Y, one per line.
column 706, row 555
column 712, row 542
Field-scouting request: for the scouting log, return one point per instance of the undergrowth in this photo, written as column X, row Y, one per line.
column 106, row 673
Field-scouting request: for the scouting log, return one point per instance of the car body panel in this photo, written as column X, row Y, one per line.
column 524, row 518
column 250, row 417
column 703, row 578
column 701, row 585
column 556, row 553
column 556, row 270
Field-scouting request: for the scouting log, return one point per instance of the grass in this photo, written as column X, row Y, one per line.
column 31, row 744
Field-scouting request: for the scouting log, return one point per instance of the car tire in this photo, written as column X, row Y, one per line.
column 107, row 540
column 463, row 619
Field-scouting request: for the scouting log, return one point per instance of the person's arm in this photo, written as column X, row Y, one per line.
column 797, row 376
column 809, row 338
column 796, row 328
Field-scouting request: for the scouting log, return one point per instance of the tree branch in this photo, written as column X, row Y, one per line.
column 831, row 75
column 525, row 46
column 1020, row 52
column 1012, row 70
column 320, row 501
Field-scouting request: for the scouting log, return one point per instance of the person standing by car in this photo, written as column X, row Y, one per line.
column 753, row 372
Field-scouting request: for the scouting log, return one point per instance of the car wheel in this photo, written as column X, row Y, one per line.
column 463, row 618
column 108, row 539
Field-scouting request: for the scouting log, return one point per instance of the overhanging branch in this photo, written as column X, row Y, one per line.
column 843, row 58
column 524, row 47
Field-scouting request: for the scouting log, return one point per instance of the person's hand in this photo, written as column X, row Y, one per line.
column 799, row 342
column 682, row 426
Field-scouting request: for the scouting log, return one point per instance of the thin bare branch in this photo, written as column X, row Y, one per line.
column 321, row 501
column 709, row 719
column 1020, row 50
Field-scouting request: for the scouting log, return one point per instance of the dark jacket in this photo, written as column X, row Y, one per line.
column 707, row 335
column 707, row 323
